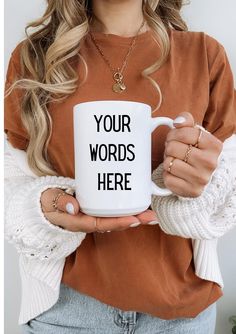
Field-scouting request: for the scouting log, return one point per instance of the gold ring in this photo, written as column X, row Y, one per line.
column 189, row 149
column 170, row 165
column 96, row 227
column 199, row 137
column 55, row 200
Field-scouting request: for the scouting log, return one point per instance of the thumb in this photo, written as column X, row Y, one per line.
column 69, row 204
column 184, row 119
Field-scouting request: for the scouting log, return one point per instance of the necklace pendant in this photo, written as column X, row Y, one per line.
column 119, row 87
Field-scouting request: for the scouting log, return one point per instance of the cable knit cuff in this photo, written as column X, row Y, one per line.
column 26, row 226
column 191, row 217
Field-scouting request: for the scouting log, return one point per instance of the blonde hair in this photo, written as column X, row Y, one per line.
column 48, row 56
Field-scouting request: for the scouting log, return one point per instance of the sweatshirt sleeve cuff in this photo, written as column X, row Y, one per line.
column 26, row 226
column 191, row 217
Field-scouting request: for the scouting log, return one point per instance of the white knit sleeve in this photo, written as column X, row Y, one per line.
column 25, row 224
column 208, row 216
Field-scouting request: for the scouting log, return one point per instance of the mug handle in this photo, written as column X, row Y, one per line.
column 155, row 123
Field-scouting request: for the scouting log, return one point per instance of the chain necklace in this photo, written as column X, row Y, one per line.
column 118, row 86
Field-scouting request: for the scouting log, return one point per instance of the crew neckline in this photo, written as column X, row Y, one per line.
column 101, row 36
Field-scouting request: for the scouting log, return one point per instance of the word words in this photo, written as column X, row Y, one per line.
column 110, row 152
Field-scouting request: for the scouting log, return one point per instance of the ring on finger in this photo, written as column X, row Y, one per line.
column 199, row 137
column 170, row 165
column 55, row 201
column 97, row 228
column 187, row 154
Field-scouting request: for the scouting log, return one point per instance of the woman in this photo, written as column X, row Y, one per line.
column 153, row 278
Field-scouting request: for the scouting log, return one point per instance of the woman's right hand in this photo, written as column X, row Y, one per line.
column 76, row 221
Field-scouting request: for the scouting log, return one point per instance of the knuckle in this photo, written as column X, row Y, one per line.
column 215, row 143
column 166, row 164
column 182, row 135
column 196, row 191
column 168, row 181
column 212, row 163
column 170, row 135
column 202, row 179
column 170, row 148
column 205, row 181
column 201, row 156
column 208, row 160
column 219, row 146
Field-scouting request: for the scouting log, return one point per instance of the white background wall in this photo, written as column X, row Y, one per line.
column 217, row 18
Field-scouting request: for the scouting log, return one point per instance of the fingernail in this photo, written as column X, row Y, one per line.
column 70, row 208
column 134, row 224
column 153, row 223
column 180, row 120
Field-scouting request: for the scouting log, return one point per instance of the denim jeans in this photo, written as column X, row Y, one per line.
column 76, row 313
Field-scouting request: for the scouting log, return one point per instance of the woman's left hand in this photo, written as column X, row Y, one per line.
column 188, row 169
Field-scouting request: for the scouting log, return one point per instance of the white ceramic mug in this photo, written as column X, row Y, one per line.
column 112, row 146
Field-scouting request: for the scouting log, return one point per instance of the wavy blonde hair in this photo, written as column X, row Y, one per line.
column 48, row 56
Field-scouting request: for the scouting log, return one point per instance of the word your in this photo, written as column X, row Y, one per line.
column 116, row 123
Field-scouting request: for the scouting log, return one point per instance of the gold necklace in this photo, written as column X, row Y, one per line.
column 118, row 86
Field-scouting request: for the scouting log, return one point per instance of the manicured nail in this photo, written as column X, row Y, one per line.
column 153, row 223
column 180, row 120
column 134, row 224
column 70, row 208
